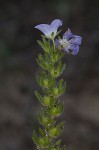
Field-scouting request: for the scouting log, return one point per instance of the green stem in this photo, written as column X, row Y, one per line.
column 53, row 43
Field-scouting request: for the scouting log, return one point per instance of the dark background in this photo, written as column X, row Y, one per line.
column 18, row 68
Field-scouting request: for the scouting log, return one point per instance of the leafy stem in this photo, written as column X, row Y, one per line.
column 53, row 88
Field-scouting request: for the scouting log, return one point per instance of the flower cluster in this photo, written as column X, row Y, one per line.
column 69, row 43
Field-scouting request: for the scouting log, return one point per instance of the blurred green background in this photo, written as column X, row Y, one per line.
column 18, row 68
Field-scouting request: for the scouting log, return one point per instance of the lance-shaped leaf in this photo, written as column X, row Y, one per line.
column 41, row 132
column 46, row 44
column 58, row 142
column 39, row 96
column 59, row 69
column 41, row 44
column 35, row 138
column 60, row 125
column 61, row 86
column 41, row 62
column 59, row 89
column 39, row 117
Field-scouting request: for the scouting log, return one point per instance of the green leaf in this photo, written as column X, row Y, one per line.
column 41, row 64
column 45, row 44
column 58, row 142
column 62, row 69
column 35, row 138
column 39, row 118
column 58, row 70
column 61, row 107
column 41, row 61
column 60, row 82
column 59, row 89
column 60, row 125
column 39, row 80
column 38, row 96
column 44, row 142
column 41, row 44
column 62, row 88
column 41, row 132
column 56, row 110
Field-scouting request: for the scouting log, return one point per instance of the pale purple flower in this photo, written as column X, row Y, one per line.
column 70, row 43
column 49, row 29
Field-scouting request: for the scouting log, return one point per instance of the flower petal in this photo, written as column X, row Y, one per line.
column 55, row 24
column 74, row 48
column 45, row 28
column 76, row 40
column 66, row 50
column 57, row 43
column 67, row 34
